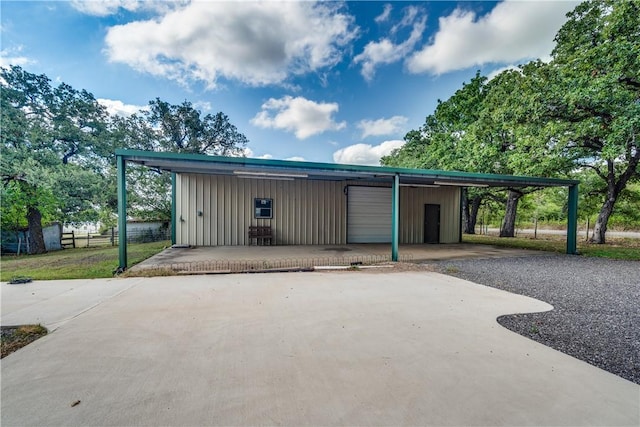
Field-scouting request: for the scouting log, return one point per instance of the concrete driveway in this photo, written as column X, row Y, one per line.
column 346, row 348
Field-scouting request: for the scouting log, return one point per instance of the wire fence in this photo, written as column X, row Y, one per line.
column 111, row 237
column 263, row 265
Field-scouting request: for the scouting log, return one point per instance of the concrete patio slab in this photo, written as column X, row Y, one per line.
column 51, row 303
column 307, row 255
column 349, row 348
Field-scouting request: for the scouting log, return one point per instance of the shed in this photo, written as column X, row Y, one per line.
column 16, row 241
column 216, row 199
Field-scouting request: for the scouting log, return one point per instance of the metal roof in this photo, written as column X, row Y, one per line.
column 285, row 169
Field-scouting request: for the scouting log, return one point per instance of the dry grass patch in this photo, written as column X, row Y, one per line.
column 16, row 337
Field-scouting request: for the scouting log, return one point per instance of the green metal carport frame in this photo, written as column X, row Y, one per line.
column 217, row 165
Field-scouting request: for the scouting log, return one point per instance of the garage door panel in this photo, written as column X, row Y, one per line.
column 369, row 215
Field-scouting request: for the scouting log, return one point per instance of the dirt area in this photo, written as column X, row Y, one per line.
column 15, row 337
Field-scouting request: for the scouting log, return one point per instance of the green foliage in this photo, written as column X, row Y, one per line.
column 443, row 142
column 627, row 214
column 597, row 89
column 151, row 194
column 107, row 219
column 182, row 128
column 546, row 206
column 58, row 124
column 598, row 82
column 52, row 152
column 593, row 189
column 580, row 112
column 16, row 196
column 58, row 147
column 516, row 140
column 79, row 192
column 176, row 128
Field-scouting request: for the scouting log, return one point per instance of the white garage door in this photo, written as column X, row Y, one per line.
column 368, row 215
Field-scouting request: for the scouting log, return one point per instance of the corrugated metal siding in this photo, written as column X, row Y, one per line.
column 304, row 212
column 412, row 201
column 368, row 214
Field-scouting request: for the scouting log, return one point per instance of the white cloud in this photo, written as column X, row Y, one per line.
column 511, row 32
column 385, row 51
column 409, row 17
column 380, row 127
column 384, row 16
column 202, row 105
column 13, row 56
column 110, row 7
column 366, row 154
column 248, row 152
column 258, row 43
column 299, row 115
column 119, row 108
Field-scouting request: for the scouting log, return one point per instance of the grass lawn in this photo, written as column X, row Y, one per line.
column 79, row 263
column 99, row 262
column 628, row 249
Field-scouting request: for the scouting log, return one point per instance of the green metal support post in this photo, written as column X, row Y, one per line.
column 173, row 208
column 460, row 225
column 122, row 212
column 395, row 216
column 572, row 221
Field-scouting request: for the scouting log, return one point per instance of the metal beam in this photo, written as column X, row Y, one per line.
column 460, row 224
column 122, row 212
column 219, row 164
column 173, row 208
column 395, row 216
column 572, row 220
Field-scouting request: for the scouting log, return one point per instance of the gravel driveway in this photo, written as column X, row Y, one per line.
column 596, row 316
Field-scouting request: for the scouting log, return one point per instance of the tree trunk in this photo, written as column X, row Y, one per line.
column 473, row 215
column 511, row 208
column 614, row 188
column 600, row 227
column 465, row 211
column 36, row 237
column 470, row 209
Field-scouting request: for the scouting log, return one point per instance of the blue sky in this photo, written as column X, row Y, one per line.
column 327, row 82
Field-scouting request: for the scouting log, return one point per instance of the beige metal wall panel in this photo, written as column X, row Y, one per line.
column 412, row 201
column 305, row 212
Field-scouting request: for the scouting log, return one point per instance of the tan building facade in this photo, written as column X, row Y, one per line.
column 218, row 201
column 217, row 210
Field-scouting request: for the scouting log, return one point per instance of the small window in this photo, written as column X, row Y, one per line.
column 263, row 208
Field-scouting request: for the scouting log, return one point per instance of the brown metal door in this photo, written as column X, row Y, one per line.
column 431, row 223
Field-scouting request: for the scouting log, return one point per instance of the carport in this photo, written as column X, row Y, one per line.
column 215, row 199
